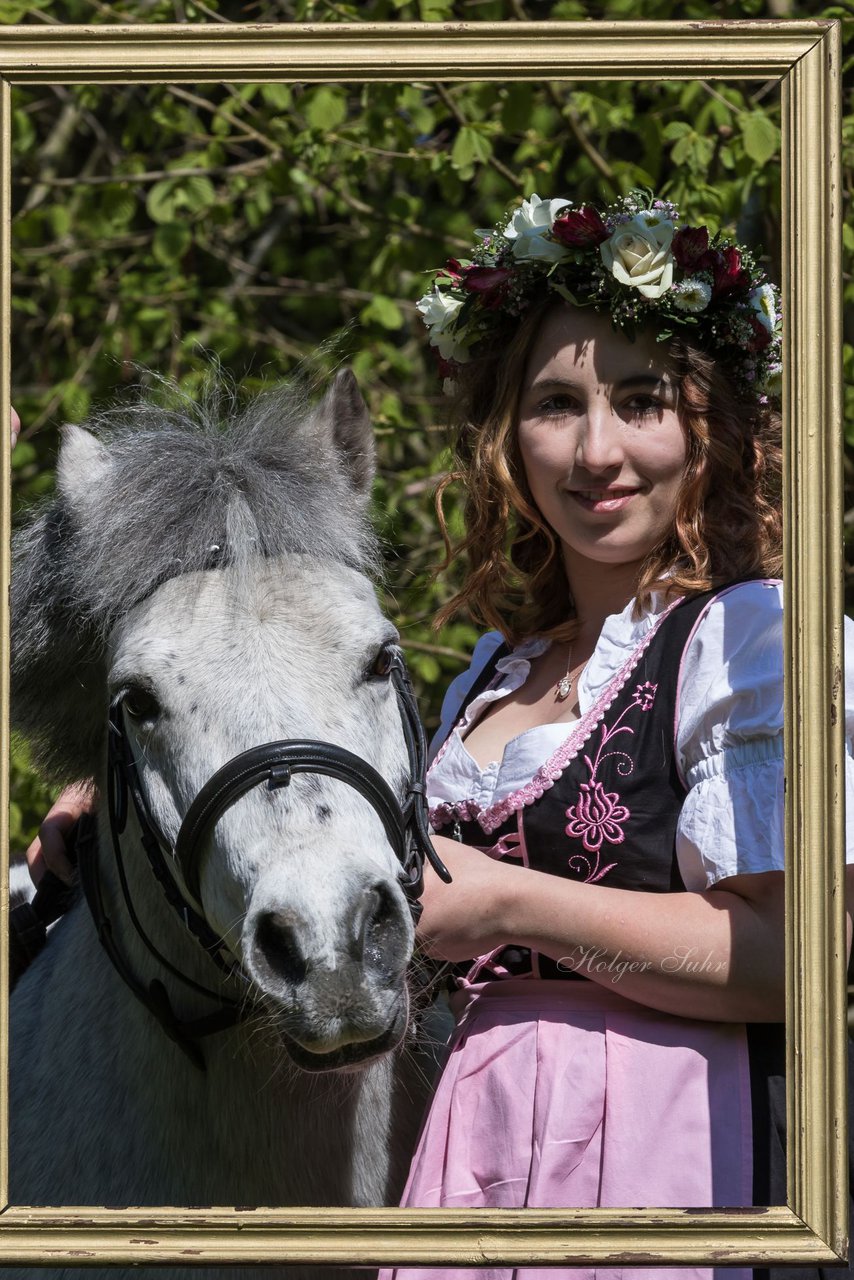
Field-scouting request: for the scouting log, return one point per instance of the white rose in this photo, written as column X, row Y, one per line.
column 528, row 227
column 638, row 254
column 439, row 310
column 762, row 301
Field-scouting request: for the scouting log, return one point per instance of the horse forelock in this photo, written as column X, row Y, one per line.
column 186, row 486
column 197, row 485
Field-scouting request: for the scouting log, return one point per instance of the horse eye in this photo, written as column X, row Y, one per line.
column 140, row 704
column 382, row 664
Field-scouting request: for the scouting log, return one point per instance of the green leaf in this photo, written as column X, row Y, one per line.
column 171, row 242
column 383, row 311
column 325, row 108
column 675, row 130
column 277, row 96
column 118, row 205
column 693, row 151
column 162, row 201
column 761, row 136
column 197, row 193
column 470, row 147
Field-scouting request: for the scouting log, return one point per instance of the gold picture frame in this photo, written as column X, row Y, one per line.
column 804, row 57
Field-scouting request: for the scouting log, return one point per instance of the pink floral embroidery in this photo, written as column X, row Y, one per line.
column 645, row 695
column 598, row 815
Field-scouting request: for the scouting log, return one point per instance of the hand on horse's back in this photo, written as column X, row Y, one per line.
column 48, row 851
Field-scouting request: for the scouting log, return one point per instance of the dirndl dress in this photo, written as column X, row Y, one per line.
column 558, row 1091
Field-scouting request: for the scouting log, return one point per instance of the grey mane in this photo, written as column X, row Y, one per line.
column 157, row 490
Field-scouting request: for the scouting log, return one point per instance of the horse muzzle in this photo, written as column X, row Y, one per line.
column 334, row 981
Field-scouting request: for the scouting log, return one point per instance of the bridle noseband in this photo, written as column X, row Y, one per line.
column 274, row 763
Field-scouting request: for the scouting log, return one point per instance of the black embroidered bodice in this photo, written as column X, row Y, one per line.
column 604, row 807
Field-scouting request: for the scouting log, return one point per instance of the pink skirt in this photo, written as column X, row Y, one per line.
column 565, row 1094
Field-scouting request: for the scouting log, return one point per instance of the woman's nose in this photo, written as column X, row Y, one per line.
column 600, row 442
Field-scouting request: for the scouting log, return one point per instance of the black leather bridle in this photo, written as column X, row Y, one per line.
column 273, row 764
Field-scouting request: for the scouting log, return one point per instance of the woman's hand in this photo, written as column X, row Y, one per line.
column 48, row 850
column 464, row 919
column 15, row 428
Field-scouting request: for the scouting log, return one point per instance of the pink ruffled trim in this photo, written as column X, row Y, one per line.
column 548, row 773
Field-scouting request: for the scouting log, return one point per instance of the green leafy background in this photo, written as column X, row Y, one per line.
column 279, row 227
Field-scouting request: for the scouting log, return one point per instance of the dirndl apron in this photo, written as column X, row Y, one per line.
column 558, row 1094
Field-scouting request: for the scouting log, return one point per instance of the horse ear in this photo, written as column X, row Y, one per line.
column 344, row 409
column 82, row 462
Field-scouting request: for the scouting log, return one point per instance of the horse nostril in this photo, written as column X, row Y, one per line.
column 276, row 948
column 378, row 914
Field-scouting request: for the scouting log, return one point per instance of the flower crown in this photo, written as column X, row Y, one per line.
column 628, row 258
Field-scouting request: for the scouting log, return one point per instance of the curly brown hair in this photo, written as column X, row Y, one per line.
column 727, row 524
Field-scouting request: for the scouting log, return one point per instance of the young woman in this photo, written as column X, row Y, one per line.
column 608, row 790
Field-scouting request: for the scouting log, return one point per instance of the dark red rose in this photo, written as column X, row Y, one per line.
column 485, row 279
column 690, row 245
column 580, row 227
column 728, row 272
column 453, row 270
column 488, row 282
column 761, row 337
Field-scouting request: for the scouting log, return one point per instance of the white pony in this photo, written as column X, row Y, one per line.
column 209, row 580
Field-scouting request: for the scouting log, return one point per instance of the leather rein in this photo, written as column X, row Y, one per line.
column 274, row 764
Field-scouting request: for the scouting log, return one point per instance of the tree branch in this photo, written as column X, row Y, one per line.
column 493, row 161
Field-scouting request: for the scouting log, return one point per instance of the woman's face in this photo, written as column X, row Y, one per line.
column 600, row 437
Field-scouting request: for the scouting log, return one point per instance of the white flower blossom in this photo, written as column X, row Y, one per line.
column 692, row 295
column 763, row 303
column 439, row 310
column 527, row 230
column 638, row 254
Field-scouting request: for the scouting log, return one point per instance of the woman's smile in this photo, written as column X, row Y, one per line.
column 603, row 500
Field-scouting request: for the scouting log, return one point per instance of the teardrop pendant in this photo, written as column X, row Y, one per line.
column 564, row 687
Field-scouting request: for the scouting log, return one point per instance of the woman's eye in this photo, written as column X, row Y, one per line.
column 141, row 704
column 644, row 406
column 556, row 406
column 382, row 665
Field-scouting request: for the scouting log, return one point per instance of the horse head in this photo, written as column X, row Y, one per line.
column 210, row 581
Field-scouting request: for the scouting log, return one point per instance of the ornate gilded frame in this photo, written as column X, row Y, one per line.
column 804, row 57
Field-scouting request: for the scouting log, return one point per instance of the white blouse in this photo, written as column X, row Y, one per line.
column 729, row 729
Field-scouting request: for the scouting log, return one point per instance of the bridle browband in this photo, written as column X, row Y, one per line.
column 274, row 763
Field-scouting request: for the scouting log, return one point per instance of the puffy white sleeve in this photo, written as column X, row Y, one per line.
column 460, row 685
column 729, row 737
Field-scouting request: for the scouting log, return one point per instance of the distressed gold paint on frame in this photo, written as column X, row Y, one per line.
column 804, row 57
